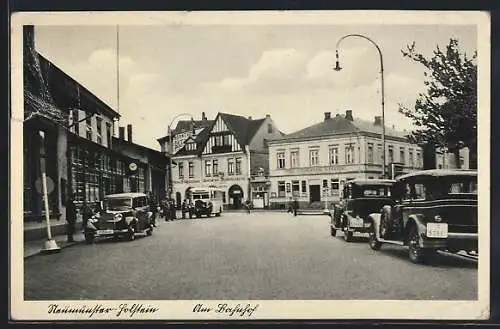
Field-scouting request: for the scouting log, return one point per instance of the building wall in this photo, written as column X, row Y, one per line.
column 331, row 175
column 257, row 142
column 82, row 126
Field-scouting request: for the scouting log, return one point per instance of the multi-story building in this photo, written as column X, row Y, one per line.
column 227, row 153
column 78, row 143
column 312, row 164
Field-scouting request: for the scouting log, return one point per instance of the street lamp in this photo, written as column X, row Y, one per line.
column 171, row 150
column 338, row 68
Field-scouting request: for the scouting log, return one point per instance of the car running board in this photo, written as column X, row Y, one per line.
column 399, row 243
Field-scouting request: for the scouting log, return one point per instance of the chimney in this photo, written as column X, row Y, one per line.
column 268, row 116
column 378, row 121
column 121, row 132
column 129, row 133
column 203, row 116
column 193, row 130
column 328, row 115
column 348, row 115
column 250, row 118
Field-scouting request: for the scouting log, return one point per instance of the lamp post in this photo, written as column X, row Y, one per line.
column 338, row 68
column 171, row 151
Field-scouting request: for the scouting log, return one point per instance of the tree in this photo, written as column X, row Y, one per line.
column 446, row 114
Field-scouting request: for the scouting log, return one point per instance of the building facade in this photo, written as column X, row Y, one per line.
column 227, row 154
column 312, row 164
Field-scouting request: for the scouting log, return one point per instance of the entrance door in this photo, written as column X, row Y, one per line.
column 314, row 193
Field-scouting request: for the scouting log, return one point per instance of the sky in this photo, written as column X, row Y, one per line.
column 250, row 70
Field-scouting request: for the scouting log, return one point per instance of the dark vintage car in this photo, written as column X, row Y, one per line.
column 359, row 198
column 203, row 207
column 123, row 215
column 434, row 210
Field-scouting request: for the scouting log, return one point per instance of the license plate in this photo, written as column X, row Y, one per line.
column 437, row 230
column 104, row 232
column 356, row 222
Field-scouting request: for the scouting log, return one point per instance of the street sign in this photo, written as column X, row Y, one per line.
column 39, row 186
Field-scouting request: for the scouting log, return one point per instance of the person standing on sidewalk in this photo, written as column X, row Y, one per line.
column 87, row 213
column 70, row 217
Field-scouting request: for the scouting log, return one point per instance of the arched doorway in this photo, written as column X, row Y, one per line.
column 236, row 195
column 178, row 199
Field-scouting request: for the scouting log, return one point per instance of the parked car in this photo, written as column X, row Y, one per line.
column 122, row 215
column 359, row 198
column 207, row 201
column 434, row 210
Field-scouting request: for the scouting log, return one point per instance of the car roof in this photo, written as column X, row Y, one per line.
column 384, row 182
column 440, row 173
column 124, row 195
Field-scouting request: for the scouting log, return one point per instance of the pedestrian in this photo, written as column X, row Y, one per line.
column 173, row 210
column 152, row 208
column 247, row 206
column 70, row 217
column 295, row 207
column 87, row 213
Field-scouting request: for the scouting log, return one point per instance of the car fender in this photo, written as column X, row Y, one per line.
column 374, row 219
column 415, row 219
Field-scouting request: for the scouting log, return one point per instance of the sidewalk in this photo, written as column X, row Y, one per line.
column 35, row 234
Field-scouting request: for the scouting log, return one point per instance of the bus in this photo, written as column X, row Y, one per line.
column 207, row 201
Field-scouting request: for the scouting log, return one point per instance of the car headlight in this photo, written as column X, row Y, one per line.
column 129, row 219
column 438, row 218
column 118, row 216
column 93, row 219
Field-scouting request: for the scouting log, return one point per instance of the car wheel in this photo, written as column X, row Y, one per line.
column 149, row 232
column 218, row 214
column 348, row 235
column 131, row 234
column 417, row 254
column 333, row 232
column 372, row 238
column 89, row 238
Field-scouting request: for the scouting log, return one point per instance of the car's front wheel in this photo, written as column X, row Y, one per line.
column 149, row 232
column 417, row 254
column 333, row 231
column 131, row 233
column 348, row 235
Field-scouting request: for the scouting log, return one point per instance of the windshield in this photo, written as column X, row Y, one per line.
column 118, row 204
column 201, row 196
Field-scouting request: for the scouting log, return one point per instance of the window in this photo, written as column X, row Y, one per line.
column 99, row 130
column 191, row 169
column 281, row 189
column 281, row 160
column 419, row 159
column 304, row 186
column 325, row 183
column 108, row 134
column 295, row 187
column 334, row 183
column 391, row 154
column 269, row 128
column 76, row 124
column 215, row 165
column 462, row 161
column 238, row 166
column 294, row 159
column 370, row 153
column 380, row 153
column 402, row 155
column 88, row 126
column 334, row 155
column 225, row 140
column 190, row 146
column 349, row 153
column 410, row 158
column 313, row 158
column 218, row 140
column 230, row 167
column 181, row 170
column 208, row 168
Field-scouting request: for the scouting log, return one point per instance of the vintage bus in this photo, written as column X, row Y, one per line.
column 207, row 201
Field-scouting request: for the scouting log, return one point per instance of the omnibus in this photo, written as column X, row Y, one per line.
column 207, row 201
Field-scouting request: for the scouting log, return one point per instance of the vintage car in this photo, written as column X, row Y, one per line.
column 207, row 201
column 434, row 210
column 359, row 198
column 123, row 215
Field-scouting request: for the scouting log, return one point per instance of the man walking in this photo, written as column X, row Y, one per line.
column 87, row 213
column 295, row 207
column 70, row 217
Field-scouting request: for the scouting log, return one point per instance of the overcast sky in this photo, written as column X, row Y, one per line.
column 284, row 71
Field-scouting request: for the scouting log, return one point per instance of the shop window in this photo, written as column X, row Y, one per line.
column 281, row 189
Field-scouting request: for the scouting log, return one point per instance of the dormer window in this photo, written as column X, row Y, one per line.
column 190, row 146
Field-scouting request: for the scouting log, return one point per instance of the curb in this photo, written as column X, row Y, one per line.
column 64, row 246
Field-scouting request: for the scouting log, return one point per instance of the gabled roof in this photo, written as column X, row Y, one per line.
column 243, row 128
column 338, row 125
column 184, row 125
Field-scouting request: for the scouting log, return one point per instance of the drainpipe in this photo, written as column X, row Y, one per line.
column 249, row 189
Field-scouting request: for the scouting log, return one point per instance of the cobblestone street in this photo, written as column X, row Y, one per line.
column 241, row 256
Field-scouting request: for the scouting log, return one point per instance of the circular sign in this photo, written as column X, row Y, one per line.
column 132, row 166
column 39, row 186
